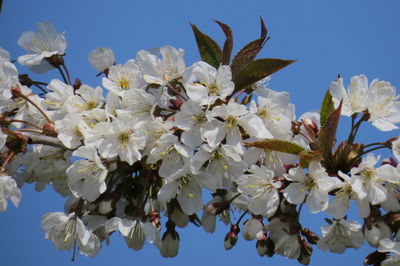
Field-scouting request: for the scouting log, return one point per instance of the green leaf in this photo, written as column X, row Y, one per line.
column 306, row 157
column 327, row 107
column 257, row 70
column 209, row 50
column 327, row 135
column 249, row 51
column 228, row 45
column 277, row 145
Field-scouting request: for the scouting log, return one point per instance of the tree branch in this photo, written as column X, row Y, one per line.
column 46, row 140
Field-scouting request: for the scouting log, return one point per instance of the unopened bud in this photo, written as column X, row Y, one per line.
column 170, row 244
column 251, row 227
column 296, row 127
column 77, row 84
column 16, row 92
column 376, row 258
column 101, row 58
column 49, row 129
column 265, row 246
column 170, row 241
column 105, row 206
column 176, row 103
column 231, row 237
column 376, row 232
column 155, row 219
column 216, row 206
column 179, row 217
column 310, row 235
column 208, row 221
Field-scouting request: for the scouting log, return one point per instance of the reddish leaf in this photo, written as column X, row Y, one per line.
column 327, row 134
column 249, row 51
column 228, row 45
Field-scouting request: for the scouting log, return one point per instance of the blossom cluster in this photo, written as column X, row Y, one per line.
column 143, row 148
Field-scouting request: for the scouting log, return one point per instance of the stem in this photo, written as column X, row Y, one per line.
column 306, row 137
column 365, row 152
column 373, row 149
column 241, row 217
column 26, row 122
column 354, row 130
column 234, row 197
column 40, row 87
column 74, row 252
column 40, row 83
column 167, row 109
column 150, row 198
column 7, row 160
column 178, row 93
column 66, row 71
column 300, row 207
column 373, row 144
column 35, row 105
column 29, row 130
column 63, row 75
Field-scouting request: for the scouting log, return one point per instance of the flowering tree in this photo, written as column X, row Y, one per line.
column 140, row 157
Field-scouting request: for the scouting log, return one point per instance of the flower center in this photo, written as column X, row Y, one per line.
column 231, row 121
column 124, row 83
column 124, row 137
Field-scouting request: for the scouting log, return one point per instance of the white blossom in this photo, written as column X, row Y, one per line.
column 205, row 84
column 122, row 78
column 312, row 187
column 161, row 71
column 68, row 230
column 41, row 45
column 341, row 234
column 261, row 190
column 102, row 58
column 8, row 190
column 86, row 178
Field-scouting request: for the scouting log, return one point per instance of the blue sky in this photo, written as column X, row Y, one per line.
column 326, row 37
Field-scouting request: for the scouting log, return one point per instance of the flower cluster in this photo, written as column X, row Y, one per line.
column 140, row 150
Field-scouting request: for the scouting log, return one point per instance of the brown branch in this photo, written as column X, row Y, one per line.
column 45, row 140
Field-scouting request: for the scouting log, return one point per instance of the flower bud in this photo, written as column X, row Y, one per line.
column 375, row 232
column 77, row 84
column 376, row 258
column 296, row 127
column 208, row 221
column 101, row 58
column 265, row 246
column 105, row 206
column 179, row 217
column 251, row 227
column 155, row 219
column 305, row 252
column 216, row 206
column 49, row 129
column 231, row 237
column 170, row 241
column 310, row 235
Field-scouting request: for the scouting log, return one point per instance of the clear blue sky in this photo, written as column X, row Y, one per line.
column 326, row 37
